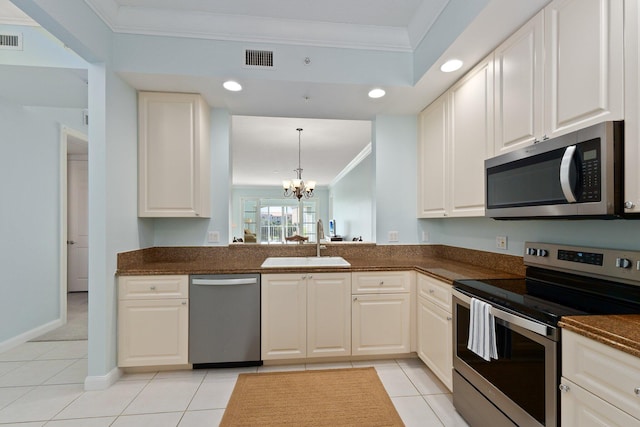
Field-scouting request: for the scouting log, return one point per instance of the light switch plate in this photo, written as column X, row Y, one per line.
column 393, row 236
column 213, row 237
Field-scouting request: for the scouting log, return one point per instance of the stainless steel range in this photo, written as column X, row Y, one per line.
column 519, row 387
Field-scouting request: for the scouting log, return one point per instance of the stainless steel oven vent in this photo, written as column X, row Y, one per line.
column 258, row 58
column 11, row 41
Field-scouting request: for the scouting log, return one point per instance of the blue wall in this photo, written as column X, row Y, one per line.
column 395, row 147
column 30, row 215
column 352, row 201
column 480, row 233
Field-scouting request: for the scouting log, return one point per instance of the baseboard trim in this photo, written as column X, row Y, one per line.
column 102, row 382
column 29, row 335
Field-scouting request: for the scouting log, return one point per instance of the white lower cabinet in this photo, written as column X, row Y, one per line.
column 153, row 320
column 380, row 324
column 600, row 385
column 381, row 313
column 328, row 315
column 306, row 315
column 583, row 409
column 435, row 327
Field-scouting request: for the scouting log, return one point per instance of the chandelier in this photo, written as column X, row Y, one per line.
column 296, row 187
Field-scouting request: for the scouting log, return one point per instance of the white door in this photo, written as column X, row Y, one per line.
column 77, row 226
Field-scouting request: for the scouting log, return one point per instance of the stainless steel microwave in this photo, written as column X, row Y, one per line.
column 574, row 175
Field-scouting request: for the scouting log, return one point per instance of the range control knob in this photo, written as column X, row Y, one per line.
column 532, row 251
column 542, row 252
column 623, row 263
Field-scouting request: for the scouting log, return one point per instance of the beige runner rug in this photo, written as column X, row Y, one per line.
column 334, row 397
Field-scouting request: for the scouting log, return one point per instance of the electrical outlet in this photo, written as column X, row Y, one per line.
column 213, row 237
column 393, row 236
column 501, row 242
column 425, row 236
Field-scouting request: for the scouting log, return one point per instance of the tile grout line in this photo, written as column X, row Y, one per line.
column 423, row 397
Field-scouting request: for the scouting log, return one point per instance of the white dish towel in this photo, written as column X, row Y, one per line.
column 482, row 330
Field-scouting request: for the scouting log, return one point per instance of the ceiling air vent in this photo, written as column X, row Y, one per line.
column 12, row 41
column 258, row 58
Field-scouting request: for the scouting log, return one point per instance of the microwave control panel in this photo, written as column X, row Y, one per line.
column 590, row 170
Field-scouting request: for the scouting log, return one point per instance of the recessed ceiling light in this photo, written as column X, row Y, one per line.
column 376, row 93
column 231, row 85
column 451, row 65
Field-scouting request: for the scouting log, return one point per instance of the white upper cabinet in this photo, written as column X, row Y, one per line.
column 584, row 77
column 432, row 148
column 471, row 139
column 173, row 155
column 518, row 68
column 455, row 137
column 632, row 108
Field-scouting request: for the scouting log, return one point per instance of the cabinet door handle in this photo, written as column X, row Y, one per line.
column 184, row 303
column 449, row 317
column 153, row 287
column 381, row 282
column 310, row 276
column 564, row 388
column 637, row 391
column 355, row 299
column 431, row 291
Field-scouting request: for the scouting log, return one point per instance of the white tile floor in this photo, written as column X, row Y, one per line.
column 41, row 384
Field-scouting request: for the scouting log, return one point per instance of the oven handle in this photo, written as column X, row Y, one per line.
column 535, row 327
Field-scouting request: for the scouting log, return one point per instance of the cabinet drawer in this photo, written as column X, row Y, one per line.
column 606, row 372
column 381, row 282
column 153, row 287
column 434, row 290
column 582, row 409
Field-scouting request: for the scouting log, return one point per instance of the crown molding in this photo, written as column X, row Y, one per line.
column 11, row 14
column 251, row 29
column 352, row 164
column 424, row 18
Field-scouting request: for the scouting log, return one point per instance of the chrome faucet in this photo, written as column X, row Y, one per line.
column 319, row 234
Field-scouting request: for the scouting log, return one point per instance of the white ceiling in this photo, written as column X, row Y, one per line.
column 265, row 149
column 374, row 25
column 392, row 24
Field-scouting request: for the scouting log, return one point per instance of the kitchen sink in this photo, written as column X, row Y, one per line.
column 302, row 262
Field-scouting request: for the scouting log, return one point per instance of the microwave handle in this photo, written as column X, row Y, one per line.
column 565, row 171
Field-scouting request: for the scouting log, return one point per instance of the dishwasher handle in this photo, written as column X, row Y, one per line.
column 225, row 282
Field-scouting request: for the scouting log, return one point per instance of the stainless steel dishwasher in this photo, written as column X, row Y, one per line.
column 224, row 320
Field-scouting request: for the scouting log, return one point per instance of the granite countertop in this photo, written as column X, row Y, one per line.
column 445, row 264
column 621, row 332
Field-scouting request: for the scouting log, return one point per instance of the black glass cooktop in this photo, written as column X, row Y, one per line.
column 546, row 296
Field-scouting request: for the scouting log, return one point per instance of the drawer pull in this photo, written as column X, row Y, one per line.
column 449, row 317
column 153, row 288
column 355, row 299
column 184, row 303
column 381, row 282
column 431, row 291
column 637, row 391
column 564, row 388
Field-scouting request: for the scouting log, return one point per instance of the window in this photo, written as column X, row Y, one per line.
column 279, row 218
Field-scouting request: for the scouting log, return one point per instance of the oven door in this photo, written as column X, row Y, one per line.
column 521, row 383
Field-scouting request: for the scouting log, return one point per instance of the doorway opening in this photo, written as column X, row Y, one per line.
column 74, row 238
